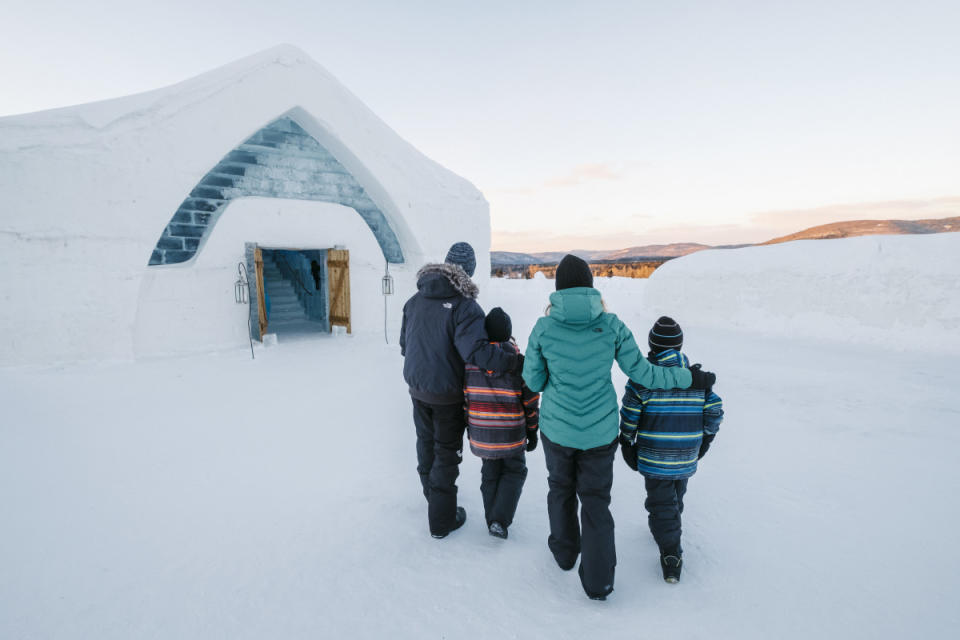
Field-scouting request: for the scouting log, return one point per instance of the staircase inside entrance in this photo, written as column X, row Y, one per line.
column 287, row 312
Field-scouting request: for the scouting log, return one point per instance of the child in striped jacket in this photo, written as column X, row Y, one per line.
column 502, row 416
column 662, row 435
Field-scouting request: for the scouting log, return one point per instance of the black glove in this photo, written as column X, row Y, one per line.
column 701, row 379
column 705, row 444
column 532, row 439
column 629, row 452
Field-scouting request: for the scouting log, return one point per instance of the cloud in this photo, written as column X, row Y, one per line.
column 584, row 173
column 516, row 191
column 580, row 174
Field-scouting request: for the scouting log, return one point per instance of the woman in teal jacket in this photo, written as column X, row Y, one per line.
column 569, row 357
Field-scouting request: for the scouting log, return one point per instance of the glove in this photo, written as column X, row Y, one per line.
column 532, row 439
column 701, row 379
column 629, row 452
column 705, row 444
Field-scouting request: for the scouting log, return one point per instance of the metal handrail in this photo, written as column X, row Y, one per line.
column 295, row 275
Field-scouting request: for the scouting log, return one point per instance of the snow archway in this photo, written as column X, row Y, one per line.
column 280, row 160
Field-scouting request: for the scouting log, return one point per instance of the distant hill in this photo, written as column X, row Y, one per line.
column 631, row 254
column 854, row 228
column 510, row 257
column 657, row 251
column 662, row 252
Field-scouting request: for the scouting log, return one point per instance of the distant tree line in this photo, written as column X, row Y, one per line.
column 600, row 268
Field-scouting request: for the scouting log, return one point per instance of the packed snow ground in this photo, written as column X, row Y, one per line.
column 218, row 497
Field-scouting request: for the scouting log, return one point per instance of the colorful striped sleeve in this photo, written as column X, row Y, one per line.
column 630, row 412
column 712, row 413
column 531, row 407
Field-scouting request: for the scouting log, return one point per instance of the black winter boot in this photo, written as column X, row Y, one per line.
column 601, row 595
column 497, row 530
column 671, row 563
column 460, row 519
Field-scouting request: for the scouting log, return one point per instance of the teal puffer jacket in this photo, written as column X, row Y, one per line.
column 569, row 358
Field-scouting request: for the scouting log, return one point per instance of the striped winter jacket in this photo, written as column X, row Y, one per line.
column 500, row 410
column 668, row 426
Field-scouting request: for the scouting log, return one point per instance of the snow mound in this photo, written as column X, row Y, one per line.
column 901, row 292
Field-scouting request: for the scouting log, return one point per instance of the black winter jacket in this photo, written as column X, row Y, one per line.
column 442, row 330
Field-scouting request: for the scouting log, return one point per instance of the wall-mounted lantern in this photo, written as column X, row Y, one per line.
column 242, row 286
column 387, row 282
column 386, row 285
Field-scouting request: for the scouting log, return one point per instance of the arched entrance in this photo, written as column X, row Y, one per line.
column 280, row 160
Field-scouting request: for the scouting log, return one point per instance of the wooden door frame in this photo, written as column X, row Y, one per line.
column 337, row 265
column 338, row 279
column 261, row 301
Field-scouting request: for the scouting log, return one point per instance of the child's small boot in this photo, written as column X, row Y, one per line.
column 497, row 530
column 671, row 562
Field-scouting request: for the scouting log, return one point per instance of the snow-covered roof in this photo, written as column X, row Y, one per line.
column 91, row 195
column 176, row 134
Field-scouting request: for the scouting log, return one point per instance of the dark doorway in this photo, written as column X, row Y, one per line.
column 295, row 291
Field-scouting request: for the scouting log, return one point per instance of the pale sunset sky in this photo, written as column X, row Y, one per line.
column 587, row 125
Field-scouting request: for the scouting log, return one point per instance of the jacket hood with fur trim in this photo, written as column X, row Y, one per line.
column 445, row 281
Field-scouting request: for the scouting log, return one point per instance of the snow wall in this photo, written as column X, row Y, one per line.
column 86, row 191
column 896, row 292
column 173, row 299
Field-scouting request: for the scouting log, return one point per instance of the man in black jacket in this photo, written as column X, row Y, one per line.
column 443, row 328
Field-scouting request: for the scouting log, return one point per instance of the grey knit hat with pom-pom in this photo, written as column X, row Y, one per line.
column 462, row 254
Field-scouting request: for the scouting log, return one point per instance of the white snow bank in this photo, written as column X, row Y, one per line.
column 901, row 292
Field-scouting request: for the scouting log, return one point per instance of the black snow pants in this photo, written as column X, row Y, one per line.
column 587, row 475
column 501, row 481
column 439, row 452
column 664, row 505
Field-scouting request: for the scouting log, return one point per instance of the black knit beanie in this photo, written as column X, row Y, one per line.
column 665, row 334
column 462, row 254
column 498, row 325
column 573, row 272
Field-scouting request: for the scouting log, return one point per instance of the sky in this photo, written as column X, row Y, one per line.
column 589, row 125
